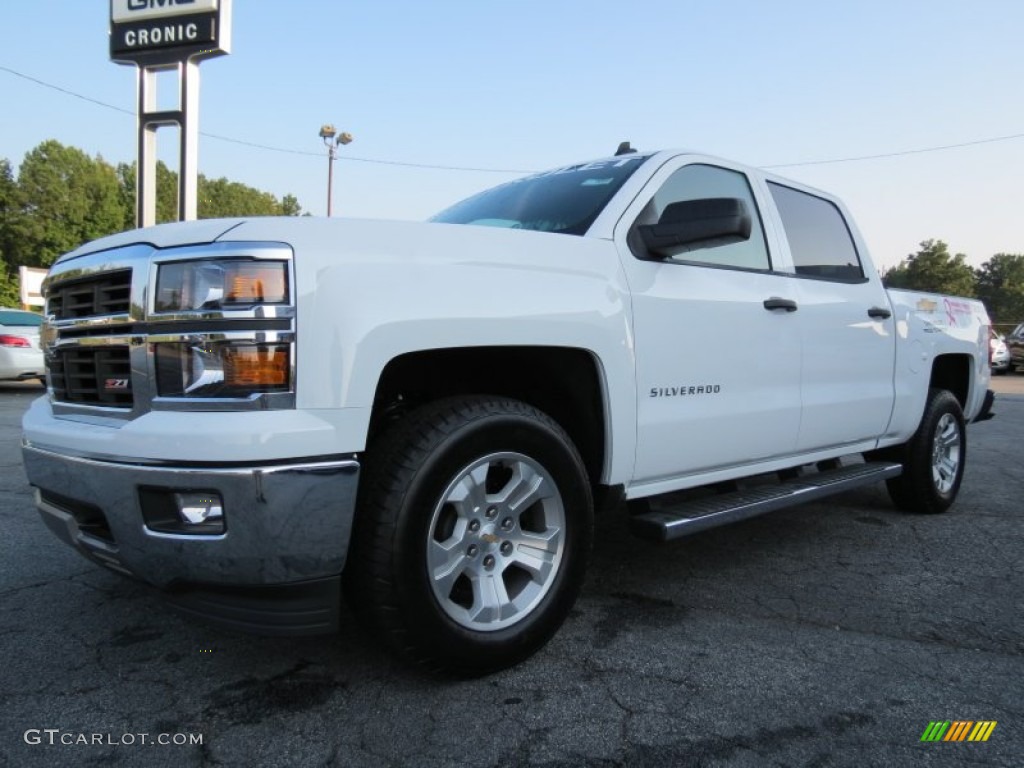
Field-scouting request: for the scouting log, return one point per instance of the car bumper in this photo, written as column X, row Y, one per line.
column 18, row 363
column 1000, row 362
column 276, row 567
column 986, row 407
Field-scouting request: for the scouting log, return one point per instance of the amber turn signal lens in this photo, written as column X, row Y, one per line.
column 252, row 366
column 256, row 283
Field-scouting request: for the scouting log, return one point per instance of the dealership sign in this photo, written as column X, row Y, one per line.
column 168, row 36
column 168, row 30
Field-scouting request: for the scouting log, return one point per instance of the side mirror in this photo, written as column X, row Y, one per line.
column 712, row 221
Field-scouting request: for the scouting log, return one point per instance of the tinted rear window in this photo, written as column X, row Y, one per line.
column 819, row 239
column 14, row 317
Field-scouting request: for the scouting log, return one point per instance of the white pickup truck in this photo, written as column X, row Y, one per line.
column 253, row 414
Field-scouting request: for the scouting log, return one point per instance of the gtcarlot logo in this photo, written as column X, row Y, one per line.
column 55, row 737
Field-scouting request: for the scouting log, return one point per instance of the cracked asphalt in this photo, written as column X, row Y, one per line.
column 830, row 634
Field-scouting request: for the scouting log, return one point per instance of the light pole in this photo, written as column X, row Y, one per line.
column 331, row 140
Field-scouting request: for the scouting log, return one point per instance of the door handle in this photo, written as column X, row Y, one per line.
column 776, row 303
column 879, row 313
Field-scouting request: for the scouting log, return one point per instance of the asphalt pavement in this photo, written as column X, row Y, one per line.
column 829, row 634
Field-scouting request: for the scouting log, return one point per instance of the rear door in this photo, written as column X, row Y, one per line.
column 845, row 323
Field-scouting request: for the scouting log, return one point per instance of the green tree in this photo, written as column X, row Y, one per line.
column 1001, row 287
column 8, row 209
column 65, row 198
column 166, row 192
column 933, row 269
column 10, row 294
column 62, row 198
column 290, row 206
column 218, row 198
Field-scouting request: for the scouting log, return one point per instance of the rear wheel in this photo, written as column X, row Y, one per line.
column 933, row 459
column 475, row 523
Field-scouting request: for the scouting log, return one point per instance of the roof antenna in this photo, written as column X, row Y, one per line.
column 624, row 149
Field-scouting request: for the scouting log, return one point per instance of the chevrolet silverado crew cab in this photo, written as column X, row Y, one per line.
column 259, row 416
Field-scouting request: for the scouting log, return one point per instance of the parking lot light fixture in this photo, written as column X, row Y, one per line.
column 332, row 140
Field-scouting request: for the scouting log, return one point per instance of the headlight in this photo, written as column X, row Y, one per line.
column 222, row 369
column 220, row 284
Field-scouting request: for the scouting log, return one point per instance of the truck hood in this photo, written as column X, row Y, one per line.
column 160, row 236
column 322, row 243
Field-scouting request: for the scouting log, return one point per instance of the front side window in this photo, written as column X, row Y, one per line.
column 819, row 239
column 702, row 182
column 565, row 200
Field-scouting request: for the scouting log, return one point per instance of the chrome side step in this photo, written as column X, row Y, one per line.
column 666, row 524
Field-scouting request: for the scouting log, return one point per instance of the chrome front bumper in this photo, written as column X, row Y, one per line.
column 286, row 524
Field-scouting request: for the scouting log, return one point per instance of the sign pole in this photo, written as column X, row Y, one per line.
column 155, row 36
column 145, row 169
column 188, row 187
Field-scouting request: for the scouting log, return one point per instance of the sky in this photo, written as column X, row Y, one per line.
column 791, row 85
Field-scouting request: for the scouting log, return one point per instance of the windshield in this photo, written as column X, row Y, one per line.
column 565, row 200
column 16, row 317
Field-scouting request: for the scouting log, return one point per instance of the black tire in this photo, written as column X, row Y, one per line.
column 409, row 503
column 928, row 486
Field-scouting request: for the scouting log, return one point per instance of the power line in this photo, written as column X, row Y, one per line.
column 51, row 86
column 349, row 158
column 900, row 153
column 268, row 147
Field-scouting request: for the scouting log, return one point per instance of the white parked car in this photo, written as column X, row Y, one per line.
column 21, row 356
column 999, row 358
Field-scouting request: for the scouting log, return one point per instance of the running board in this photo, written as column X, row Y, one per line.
column 692, row 517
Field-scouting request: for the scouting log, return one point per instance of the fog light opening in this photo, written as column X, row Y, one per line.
column 193, row 512
column 199, row 508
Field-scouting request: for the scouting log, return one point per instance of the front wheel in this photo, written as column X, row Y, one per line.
column 475, row 524
column 933, row 459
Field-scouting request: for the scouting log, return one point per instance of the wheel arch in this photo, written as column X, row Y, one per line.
column 567, row 383
column 952, row 372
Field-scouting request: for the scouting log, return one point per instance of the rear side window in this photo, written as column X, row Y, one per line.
column 819, row 239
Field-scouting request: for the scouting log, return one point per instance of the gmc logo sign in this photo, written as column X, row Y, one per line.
column 141, row 5
column 122, row 11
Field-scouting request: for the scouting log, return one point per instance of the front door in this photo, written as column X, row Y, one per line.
column 718, row 357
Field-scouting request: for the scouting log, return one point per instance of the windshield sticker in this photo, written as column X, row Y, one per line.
column 596, row 182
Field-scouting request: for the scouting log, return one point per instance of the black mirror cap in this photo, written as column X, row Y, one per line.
column 707, row 222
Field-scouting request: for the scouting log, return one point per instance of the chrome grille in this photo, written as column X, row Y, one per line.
column 94, row 296
column 92, row 376
column 102, row 332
